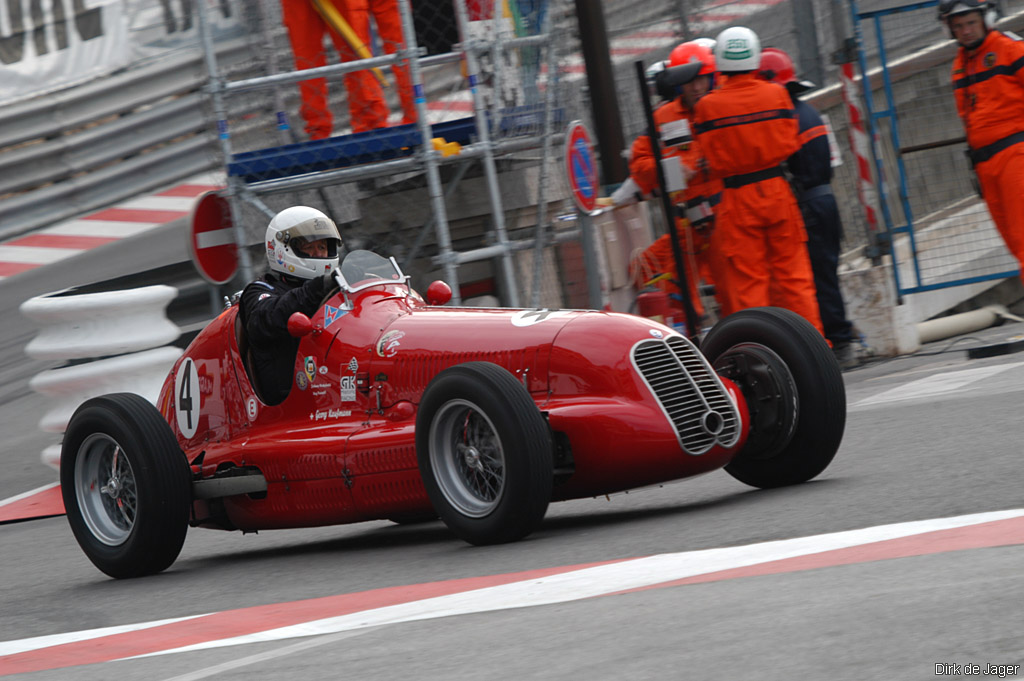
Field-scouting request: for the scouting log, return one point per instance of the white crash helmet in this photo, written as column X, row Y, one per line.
column 296, row 226
column 737, row 48
column 951, row 8
column 651, row 75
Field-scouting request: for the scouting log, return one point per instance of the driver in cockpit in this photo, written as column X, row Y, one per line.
column 302, row 246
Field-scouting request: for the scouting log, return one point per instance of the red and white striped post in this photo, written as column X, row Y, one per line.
column 860, row 144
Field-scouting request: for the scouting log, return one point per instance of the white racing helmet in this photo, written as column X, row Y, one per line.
column 296, row 226
column 651, row 75
column 951, row 8
column 737, row 48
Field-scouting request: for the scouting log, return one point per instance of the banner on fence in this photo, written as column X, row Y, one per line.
column 47, row 46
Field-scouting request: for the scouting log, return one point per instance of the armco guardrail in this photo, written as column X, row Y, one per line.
column 90, row 146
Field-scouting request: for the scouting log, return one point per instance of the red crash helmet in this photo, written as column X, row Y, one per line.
column 777, row 67
column 690, row 52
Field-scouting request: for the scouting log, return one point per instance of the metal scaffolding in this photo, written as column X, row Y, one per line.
column 495, row 131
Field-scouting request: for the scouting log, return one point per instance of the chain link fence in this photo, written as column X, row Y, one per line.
column 942, row 232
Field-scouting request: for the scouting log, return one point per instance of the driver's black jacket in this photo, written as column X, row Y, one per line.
column 266, row 305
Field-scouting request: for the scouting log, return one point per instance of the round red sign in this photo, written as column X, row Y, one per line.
column 211, row 241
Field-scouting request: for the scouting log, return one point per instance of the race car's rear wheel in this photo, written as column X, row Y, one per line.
column 484, row 452
column 126, row 485
column 793, row 388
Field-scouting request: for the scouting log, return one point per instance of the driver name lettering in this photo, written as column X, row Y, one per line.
column 323, row 415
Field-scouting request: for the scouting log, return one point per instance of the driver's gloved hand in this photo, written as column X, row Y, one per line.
column 327, row 281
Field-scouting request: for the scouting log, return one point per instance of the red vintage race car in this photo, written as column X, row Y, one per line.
column 402, row 408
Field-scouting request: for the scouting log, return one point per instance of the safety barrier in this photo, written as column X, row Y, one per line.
column 90, row 146
column 123, row 330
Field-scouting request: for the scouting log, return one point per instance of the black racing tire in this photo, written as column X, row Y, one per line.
column 793, row 388
column 126, row 484
column 485, row 453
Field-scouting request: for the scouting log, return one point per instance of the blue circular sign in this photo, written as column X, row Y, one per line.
column 580, row 166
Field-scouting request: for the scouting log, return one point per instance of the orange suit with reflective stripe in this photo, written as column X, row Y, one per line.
column 643, row 169
column 988, row 84
column 389, row 28
column 306, row 29
column 747, row 128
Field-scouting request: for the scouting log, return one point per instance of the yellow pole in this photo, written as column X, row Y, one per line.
column 333, row 17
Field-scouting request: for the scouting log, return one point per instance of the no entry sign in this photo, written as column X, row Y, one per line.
column 580, row 166
column 211, row 241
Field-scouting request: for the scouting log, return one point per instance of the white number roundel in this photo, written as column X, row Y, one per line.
column 186, row 397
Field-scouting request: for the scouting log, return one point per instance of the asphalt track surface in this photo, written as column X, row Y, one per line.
column 905, row 554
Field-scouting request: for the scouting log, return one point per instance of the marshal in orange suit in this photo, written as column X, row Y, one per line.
column 747, row 128
column 988, row 84
column 689, row 76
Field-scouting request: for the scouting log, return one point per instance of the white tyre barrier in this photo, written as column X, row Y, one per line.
column 141, row 373
column 124, row 328
column 100, row 324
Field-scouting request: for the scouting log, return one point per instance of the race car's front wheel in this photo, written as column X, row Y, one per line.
column 794, row 391
column 485, row 453
column 126, row 485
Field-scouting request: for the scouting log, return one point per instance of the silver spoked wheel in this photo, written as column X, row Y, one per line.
column 106, row 489
column 467, row 458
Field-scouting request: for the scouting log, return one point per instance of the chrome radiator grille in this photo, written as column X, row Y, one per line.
column 689, row 392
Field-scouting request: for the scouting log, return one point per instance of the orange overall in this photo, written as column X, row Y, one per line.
column 701, row 191
column 389, row 28
column 306, row 30
column 988, row 84
column 747, row 128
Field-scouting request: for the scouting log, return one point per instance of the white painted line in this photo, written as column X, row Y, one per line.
column 728, row 11
column 626, row 47
column 107, row 228
column 25, row 495
column 597, row 581
column 217, row 179
column 39, row 642
column 939, row 384
column 182, row 203
column 216, row 237
column 36, row 255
